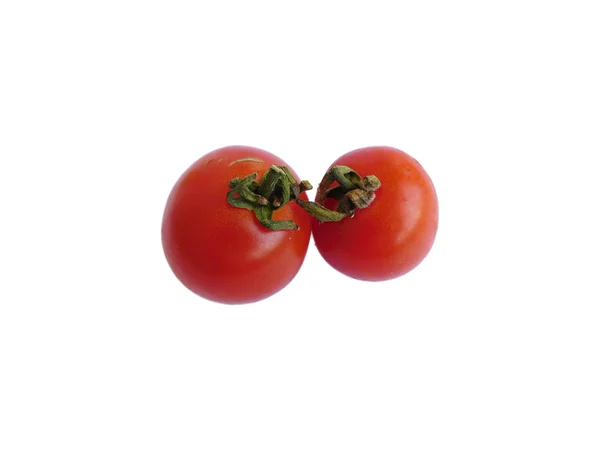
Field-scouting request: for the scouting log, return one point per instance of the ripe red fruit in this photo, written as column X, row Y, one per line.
column 395, row 232
column 221, row 252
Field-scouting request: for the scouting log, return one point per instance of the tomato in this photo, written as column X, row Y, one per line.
column 393, row 234
column 223, row 253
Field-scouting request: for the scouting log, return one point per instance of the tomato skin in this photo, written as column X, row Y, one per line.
column 394, row 233
column 223, row 253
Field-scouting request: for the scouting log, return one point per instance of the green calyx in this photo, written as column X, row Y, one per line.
column 278, row 187
column 352, row 193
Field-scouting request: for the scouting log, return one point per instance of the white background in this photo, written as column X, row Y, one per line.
column 492, row 343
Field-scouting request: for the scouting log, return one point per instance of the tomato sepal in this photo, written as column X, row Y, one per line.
column 277, row 187
column 353, row 192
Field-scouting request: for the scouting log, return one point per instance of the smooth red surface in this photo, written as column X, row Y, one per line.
column 220, row 252
column 392, row 235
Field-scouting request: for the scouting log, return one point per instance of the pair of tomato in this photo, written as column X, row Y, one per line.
column 224, row 254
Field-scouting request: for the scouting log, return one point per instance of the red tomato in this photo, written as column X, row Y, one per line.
column 223, row 253
column 395, row 232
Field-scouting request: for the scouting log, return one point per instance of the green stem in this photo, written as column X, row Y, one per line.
column 352, row 193
column 276, row 188
column 320, row 212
